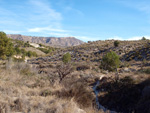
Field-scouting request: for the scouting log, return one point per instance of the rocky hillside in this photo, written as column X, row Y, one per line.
column 130, row 93
column 51, row 41
column 94, row 51
column 47, row 85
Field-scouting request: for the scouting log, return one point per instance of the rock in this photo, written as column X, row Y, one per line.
column 52, row 41
column 80, row 110
column 105, row 72
column 101, row 77
column 126, row 70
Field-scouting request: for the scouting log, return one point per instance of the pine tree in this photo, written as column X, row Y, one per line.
column 6, row 47
column 66, row 58
column 110, row 61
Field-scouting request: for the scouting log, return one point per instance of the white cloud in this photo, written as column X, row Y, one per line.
column 116, row 38
column 45, row 19
column 86, row 38
column 130, row 38
column 43, row 29
column 12, row 32
column 43, row 9
column 138, row 37
column 34, row 16
column 56, row 34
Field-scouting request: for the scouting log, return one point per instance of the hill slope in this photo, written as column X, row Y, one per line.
column 52, row 41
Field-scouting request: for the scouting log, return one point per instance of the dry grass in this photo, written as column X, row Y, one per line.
column 22, row 89
column 79, row 92
column 39, row 53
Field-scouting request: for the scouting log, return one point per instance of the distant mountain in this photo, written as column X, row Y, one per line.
column 52, row 41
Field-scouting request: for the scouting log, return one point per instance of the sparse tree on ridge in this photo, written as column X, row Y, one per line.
column 116, row 43
column 143, row 38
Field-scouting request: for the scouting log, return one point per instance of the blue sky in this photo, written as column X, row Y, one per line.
column 87, row 20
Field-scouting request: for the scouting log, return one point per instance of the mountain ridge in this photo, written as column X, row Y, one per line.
column 51, row 41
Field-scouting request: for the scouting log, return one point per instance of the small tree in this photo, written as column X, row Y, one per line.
column 110, row 61
column 143, row 38
column 66, row 58
column 17, row 50
column 63, row 70
column 116, row 43
column 6, row 47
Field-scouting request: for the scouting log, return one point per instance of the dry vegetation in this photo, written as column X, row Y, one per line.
column 22, row 89
column 46, row 85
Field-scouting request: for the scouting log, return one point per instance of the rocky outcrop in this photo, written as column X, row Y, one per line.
column 51, row 41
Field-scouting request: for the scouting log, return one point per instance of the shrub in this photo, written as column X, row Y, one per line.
column 147, row 71
column 79, row 92
column 27, row 44
column 116, row 43
column 18, row 43
column 6, row 46
column 64, row 70
column 30, row 54
column 23, row 51
column 110, row 61
column 19, row 59
column 66, row 58
column 45, row 50
column 82, row 67
column 17, row 50
column 143, row 38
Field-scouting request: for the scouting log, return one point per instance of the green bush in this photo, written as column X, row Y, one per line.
column 6, row 46
column 19, row 59
column 27, row 44
column 23, row 51
column 116, row 43
column 46, row 51
column 110, row 61
column 18, row 43
column 66, row 58
column 30, row 54
column 17, row 50
column 143, row 38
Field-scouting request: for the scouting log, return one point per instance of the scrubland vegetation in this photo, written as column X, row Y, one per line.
column 63, row 80
column 20, row 50
column 23, row 89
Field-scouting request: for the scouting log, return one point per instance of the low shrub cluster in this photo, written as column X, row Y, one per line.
column 147, row 70
column 45, row 50
column 79, row 92
column 23, row 52
column 82, row 67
